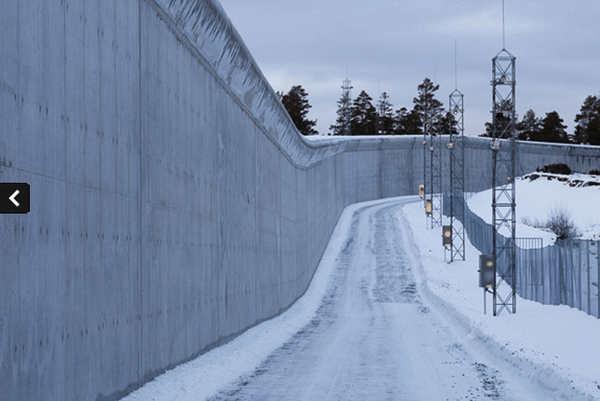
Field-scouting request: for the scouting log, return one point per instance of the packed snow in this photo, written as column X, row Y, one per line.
column 386, row 317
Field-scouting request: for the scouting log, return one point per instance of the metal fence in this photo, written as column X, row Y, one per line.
column 565, row 273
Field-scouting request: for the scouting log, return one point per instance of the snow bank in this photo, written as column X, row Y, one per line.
column 556, row 341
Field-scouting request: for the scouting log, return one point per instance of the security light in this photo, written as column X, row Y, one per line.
column 447, row 236
column 487, row 275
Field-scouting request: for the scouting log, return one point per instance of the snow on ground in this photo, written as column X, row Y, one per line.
column 557, row 341
column 205, row 375
column 554, row 347
column 538, row 194
column 374, row 336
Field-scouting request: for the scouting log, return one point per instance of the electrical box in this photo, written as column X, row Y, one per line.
column 422, row 191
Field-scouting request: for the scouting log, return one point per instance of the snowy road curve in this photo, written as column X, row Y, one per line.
column 377, row 336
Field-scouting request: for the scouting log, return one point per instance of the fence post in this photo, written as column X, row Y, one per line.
column 573, row 274
column 589, row 299
column 579, row 278
column 544, row 276
column 554, row 293
column 561, row 283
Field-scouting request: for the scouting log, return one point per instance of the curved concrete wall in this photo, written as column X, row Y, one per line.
column 531, row 155
column 173, row 204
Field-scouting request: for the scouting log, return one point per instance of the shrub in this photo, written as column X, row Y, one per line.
column 531, row 223
column 595, row 172
column 561, row 223
column 558, row 168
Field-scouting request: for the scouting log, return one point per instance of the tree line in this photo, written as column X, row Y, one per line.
column 551, row 127
column 362, row 117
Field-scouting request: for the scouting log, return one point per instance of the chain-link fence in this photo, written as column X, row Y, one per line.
column 565, row 273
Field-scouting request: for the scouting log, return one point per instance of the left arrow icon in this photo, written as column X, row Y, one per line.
column 13, row 196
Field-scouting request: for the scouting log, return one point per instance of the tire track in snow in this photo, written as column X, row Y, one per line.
column 374, row 337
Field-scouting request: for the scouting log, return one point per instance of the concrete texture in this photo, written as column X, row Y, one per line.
column 173, row 203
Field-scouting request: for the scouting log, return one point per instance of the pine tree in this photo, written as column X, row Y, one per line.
column 385, row 116
column 587, row 129
column 364, row 115
column 428, row 108
column 407, row 122
column 529, row 127
column 344, row 112
column 503, row 121
column 488, row 130
column 400, row 121
column 553, row 129
column 448, row 123
column 297, row 105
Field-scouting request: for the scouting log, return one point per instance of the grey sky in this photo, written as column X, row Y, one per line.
column 392, row 45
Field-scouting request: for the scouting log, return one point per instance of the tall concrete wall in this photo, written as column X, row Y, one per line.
column 173, row 204
column 530, row 155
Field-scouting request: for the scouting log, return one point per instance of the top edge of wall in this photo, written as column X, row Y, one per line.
column 209, row 30
column 211, row 33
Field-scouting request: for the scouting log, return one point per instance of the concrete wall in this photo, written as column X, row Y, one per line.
column 173, row 204
column 531, row 155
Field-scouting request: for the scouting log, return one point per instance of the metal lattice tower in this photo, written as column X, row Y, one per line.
column 504, row 146
column 457, row 174
column 346, row 106
column 435, row 148
column 426, row 162
column 432, row 166
column 383, row 107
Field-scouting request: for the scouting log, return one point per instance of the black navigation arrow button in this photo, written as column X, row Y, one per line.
column 14, row 197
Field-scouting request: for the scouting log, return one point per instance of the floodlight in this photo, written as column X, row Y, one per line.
column 447, row 236
column 487, row 275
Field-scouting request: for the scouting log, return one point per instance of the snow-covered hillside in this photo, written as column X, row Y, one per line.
column 539, row 194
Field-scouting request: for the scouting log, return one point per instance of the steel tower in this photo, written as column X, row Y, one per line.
column 432, row 166
column 346, row 106
column 504, row 149
column 457, row 174
column 435, row 148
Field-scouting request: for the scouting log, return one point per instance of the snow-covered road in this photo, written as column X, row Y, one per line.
column 375, row 336
column 385, row 318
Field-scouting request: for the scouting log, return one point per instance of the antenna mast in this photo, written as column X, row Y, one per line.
column 455, row 66
column 503, row 29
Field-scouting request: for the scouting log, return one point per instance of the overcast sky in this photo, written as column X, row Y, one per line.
column 392, row 45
